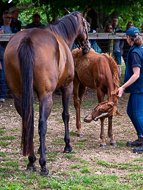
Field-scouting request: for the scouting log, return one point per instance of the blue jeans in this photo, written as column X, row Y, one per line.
column 117, row 57
column 135, row 112
column 2, row 81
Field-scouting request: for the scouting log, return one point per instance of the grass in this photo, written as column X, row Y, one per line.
column 75, row 181
column 123, row 73
column 52, row 156
column 72, row 133
column 4, row 144
column 87, row 104
column 5, row 137
column 2, row 131
column 58, row 141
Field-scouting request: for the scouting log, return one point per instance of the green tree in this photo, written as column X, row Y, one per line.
column 99, row 11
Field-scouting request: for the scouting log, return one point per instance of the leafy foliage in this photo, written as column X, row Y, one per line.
column 130, row 10
column 133, row 14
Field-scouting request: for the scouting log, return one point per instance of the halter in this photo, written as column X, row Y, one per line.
column 103, row 113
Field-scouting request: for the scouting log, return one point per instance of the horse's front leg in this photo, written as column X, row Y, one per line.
column 66, row 94
column 45, row 110
column 102, row 134
column 110, row 133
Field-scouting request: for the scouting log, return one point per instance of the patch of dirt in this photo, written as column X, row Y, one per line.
column 86, row 148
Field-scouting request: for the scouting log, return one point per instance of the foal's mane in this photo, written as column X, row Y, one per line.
column 115, row 72
column 66, row 27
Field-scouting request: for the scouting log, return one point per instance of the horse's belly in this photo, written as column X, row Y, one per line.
column 66, row 65
column 85, row 75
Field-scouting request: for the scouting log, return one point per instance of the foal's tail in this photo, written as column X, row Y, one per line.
column 115, row 72
column 26, row 58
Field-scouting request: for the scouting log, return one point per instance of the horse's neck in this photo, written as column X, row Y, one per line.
column 112, row 98
column 70, row 44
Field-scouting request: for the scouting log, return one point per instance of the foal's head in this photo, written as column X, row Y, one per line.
column 102, row 110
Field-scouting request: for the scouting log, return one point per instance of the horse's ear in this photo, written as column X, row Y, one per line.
column 119, row 113
column 85, row 11
column 67, row 11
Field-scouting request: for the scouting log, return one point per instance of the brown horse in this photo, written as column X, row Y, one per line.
column 100, row 72
column 41, row 59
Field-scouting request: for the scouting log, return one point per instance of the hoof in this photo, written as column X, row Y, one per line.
column 45, row 172
column 81, row 134
column 103, row 145
column 113, row 144
column 31, row 168
column 68, row 150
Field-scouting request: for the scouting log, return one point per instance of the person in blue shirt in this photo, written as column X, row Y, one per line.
column 15, row 23
column 118, row 44
column 134, row 85
column 5, row 27
column 36, row 22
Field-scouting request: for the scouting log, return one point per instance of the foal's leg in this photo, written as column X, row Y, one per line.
column 78, row 91
column 31, row 157
column 100, row 95
column 45, row 110
column 66, row 93
column 102, row 134
column 110, row 133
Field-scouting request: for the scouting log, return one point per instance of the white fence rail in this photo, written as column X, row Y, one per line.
column 92, row 36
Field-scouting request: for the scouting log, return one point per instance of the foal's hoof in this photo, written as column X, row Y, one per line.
column 113, row 144
column 31, row 167
column 45, row 172
column 103, row 145
column 80, row 134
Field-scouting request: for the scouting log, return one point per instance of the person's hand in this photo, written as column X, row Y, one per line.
column 120, row 91
column 2, row 31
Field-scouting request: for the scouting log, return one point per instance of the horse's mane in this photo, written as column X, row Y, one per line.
column 66, row 27
column 115, row 72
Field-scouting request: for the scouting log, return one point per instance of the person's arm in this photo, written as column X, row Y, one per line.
column 134, row 77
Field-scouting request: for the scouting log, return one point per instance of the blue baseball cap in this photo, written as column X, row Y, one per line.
column 132, row 31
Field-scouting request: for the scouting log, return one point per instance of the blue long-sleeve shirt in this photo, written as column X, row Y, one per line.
column 118, row 44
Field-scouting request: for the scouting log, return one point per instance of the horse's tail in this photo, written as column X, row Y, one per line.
column 26, row 58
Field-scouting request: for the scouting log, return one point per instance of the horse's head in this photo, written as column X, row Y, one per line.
column 102, row 110
column 82, row 34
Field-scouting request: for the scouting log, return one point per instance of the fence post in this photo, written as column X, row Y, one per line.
column 110, row 47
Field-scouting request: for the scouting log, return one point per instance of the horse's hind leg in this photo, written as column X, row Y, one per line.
column 45, row 110
column 78, row 91
column 110, row 133
column 66, row 94
column 31, row 157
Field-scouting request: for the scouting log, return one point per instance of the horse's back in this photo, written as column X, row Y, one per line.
column 89, row 67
